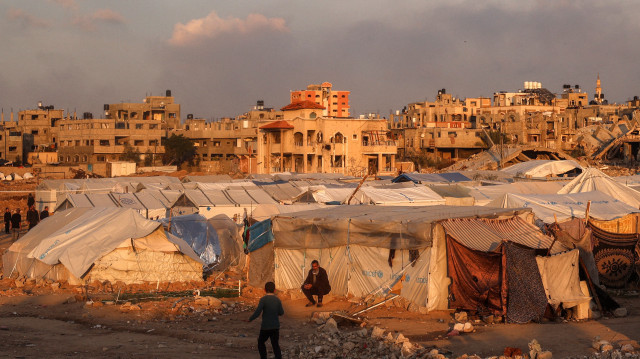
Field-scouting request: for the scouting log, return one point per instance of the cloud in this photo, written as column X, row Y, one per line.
column 67, row 4
column 213, row 26
column 108, row 16
column 26, row 19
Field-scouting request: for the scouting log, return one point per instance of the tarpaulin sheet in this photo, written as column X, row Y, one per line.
column 614, row 255
column 542, row 168
column 88, row 237
column 260, row 234
column 476, row 279
column 198, row 233
column 292, row 267
column 561, row 279
column 526, row 299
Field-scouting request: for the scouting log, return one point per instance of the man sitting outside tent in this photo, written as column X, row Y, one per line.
column 317, row 283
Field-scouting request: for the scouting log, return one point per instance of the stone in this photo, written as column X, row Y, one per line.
column 423, row 310
column 389, row 338
column 55, row 286
column 318, row 349
column 324, row 316
column 627, row 348
column 214, row 302
column 453, row 333
column 606, row 347
column 460, row 317
column 349, row 346
column 534, row 349
column 377, row 332
column 620, row 312
column 362, row 332
column 401, row 339
column 545, row 355
column 459, row 327
column 488, row 319
column 468, row 327
column 330, row 326
column 407, row 349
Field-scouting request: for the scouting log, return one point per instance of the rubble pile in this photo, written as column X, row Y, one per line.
column 332, row 342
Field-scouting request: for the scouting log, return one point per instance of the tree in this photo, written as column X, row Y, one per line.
column 130, row 154
column 178, row 150
column 148, row 158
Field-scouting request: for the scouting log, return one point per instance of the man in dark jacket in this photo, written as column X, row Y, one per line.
column 16, row 218
column 317, row 283
column 45, row 213
column 271, row 308
column 30, row 200
column 7, row 221
column 32, row 217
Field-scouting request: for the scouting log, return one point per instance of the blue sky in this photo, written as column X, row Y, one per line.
column 219, row 57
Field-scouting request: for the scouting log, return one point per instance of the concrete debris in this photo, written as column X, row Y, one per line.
column 627, row 348
column 460, row 317
column 459, row 327
column 377, row 332
column 534, row 349
column 468, row 327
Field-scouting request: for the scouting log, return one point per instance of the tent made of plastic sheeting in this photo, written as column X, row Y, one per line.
column 483, row 195
column 561, row 279
column 432, row 177
column 543, row 168
column 81, row 200
column 199, row 235
column 417, row 196
column 487, row 235
column 114, row 244
column 205, row 186
column 354, row 243
column 208, row 178
column 593, row 179
column 247, row 197
column 283, row 192
column 331, row 195
column 266, row 211
column 144, row 203
column 166, row 197
column 100, row 187
column 231, row 244
column 567, row 206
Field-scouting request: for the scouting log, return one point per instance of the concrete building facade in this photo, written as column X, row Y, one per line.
column 334, row 103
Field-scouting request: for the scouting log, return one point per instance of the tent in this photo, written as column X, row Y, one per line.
column 543, row 168
column 354, row 245
column 424, row 178
column 567, row 206
column 114, row 244
column 593, row 179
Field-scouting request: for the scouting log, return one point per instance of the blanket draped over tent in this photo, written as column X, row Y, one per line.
column 561, row 279
column 527, row 300
column 575, row 234
column 476, row 279
column 614, row 256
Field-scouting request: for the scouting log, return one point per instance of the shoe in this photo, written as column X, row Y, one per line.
column 310, row 304
column 319, row 305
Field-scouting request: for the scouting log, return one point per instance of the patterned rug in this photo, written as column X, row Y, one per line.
column 615, row 258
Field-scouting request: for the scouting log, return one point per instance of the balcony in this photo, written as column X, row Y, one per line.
column 386, row 146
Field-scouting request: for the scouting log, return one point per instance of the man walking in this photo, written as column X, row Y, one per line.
column 32, row 217
column 45, row 213
column 271, row 308
column 317, row 283
column 16, row 218
column 7, row 220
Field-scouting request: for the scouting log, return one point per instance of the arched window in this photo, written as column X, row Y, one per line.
column 338, row 138
column 319, row 137
column 68, row 158
column 313, row 115
column 77, row 158
column 84, row 158
column 297, row 138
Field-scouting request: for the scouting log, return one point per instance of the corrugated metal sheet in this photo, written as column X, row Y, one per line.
column 487, row 234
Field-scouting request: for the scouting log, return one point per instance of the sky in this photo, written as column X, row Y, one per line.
column 220, row 57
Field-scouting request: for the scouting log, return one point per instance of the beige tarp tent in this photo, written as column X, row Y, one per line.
column 353, row 243
column 115, row 244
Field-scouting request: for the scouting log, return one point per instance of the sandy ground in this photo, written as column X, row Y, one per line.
column 42, row 321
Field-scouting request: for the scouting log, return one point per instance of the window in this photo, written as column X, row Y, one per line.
column 104, row 142
column 138, row 143
column 34, row 132
column 153, row 126
column 84, row 158
column 138, row 126
column 355, row 136
column 216, row 143
column 101, row 158
column 172, row 115
column 12, row 148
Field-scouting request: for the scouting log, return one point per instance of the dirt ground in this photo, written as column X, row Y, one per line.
column 44, row 320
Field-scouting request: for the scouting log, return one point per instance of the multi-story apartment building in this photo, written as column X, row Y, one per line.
column 139, row 125
column 334, row 103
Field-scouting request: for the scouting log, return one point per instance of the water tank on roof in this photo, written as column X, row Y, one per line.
column 444, row 91
column 168, row 93
column 190, row 116
column 87, row 116
column 106, row 107
column 601, row 95
column 577, row 87
column 566, row 86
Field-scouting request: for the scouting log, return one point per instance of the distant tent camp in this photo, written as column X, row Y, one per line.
column 115, row 244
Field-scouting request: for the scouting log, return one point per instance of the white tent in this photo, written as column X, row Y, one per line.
column 542, row 168
column 485, row 194
column 416, row 196
column 593, row 179
column 115, row 244
column 566, row 206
